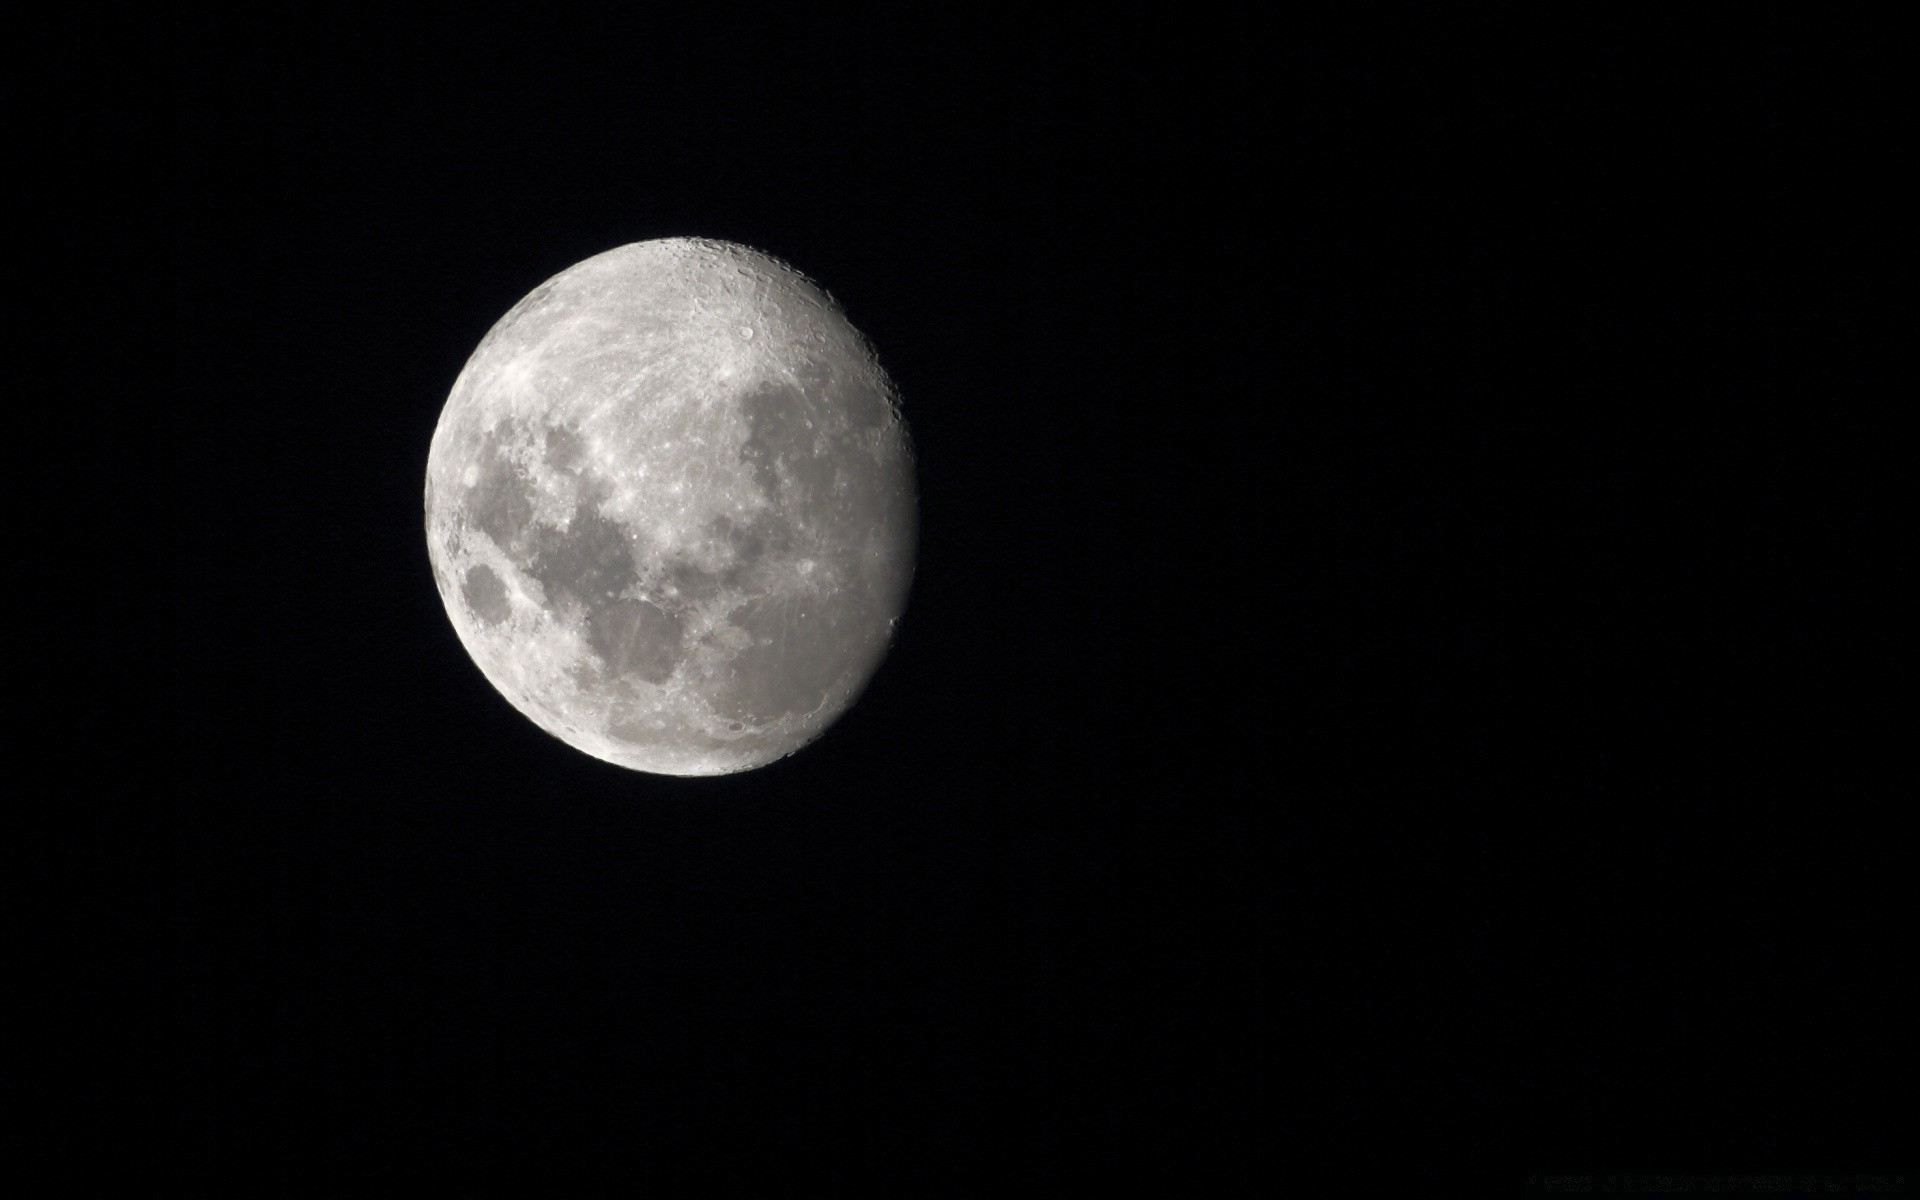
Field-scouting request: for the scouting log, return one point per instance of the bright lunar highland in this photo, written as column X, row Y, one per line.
column 670, row 508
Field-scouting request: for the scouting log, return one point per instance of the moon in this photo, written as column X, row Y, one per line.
column 670, row 508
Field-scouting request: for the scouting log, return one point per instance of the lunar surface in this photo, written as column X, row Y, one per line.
column 670, row 508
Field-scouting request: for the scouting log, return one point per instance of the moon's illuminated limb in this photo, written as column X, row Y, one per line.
column 670, row 508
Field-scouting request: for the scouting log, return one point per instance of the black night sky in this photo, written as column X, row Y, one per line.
column 1387, row 680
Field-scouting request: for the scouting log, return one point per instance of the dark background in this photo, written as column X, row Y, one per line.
column 1381, row 485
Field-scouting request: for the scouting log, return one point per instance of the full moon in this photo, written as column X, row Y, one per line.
column 670, row 508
